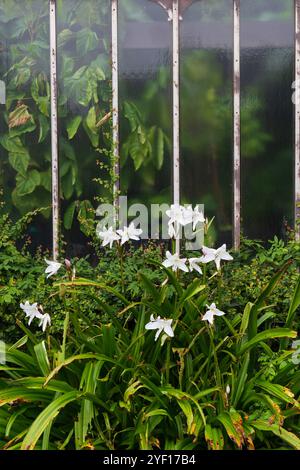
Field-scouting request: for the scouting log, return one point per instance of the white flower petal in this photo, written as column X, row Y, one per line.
column 209, row 316
column 168, row 330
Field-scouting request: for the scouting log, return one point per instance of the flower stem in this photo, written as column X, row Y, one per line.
column 121, row 258
column 66, row 325
column 168, row 362
column 217, row 368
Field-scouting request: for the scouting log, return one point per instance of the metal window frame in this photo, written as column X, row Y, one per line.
column 115, row 105
column 176, row 108
column 176, row 117
column 236, row 124
column 54, row 130
column 297, row 122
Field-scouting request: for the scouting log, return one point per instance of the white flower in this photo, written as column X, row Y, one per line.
column 211, row 312
column 108, row 236
column 187, row 215
column 175, row 214
column 161, row 325
column 182, row 216
column 52, row 267
column 210, row 254
column 197, row 217
column 31, row 311
column 173, row 233
column 44, row 321
column 129, row 233
column 227, row 389
column 174, row 262
column 193, row 262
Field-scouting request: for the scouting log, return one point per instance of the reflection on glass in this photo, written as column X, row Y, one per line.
column 206, row 111
column 267, row 116
column 145, row 101
column 24, row 118
column 84, row 121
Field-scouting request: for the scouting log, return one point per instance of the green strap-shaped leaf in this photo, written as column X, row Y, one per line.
column 48, row 414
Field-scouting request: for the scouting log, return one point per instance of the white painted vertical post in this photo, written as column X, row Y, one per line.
column 176, row 110
column 297, row 121
column 236, row 126
column 54, row 130
column 115, row 105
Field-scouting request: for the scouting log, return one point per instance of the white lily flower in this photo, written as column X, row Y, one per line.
column 172, row 232
column 31, row 311
column 161, row 325
column 210, row 254
column 193, row 262
column 197, row 217
column 129, row 233
column 174, row 262
column 108, row 236
column 175, row 214
column 187, row 215
column 44, row 321
column 211, row 312
column 52, row 268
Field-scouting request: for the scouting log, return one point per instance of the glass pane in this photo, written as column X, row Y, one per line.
column 84, row 120
column 267, row 116
column 25, row 155
column 206, row 111
column 145, row 101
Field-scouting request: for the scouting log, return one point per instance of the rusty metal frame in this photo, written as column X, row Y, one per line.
column 115, row 105
column 236, row 125
column 176, row 109
column 54, row 129
column 297, row 121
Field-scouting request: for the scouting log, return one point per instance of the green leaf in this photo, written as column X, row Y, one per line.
column 73, row 125
column 79, row 357
column 44, row 127
column 193, row 289
column 86, row 41
column 19, row 157
column 156, row 137
column 294, row 305
column 13, row 144
column 266, row 335
column 69, row 215
column 19, row 162
column 26, row 185
column 252, row 329
column 48, row 414
column 67, row 183
column 11, row 394
column 278, row 391
column 214, row 437
column 279, row 431
column 46, row 179
column 63, row 37
column 233, row 431
column 241, row 381
column 42, row 358
column 91, row 128
column 245, row 319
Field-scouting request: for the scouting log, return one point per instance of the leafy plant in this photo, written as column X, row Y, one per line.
column 107, row 385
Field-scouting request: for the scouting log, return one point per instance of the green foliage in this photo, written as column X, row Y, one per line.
column 99, row 380
column 84, row 109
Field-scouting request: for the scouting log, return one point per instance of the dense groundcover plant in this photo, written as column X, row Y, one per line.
column 167, row 368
